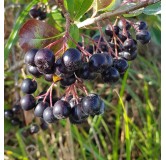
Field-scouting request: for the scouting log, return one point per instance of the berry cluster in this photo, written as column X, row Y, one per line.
column 106, row 59
column 38, row 12
column 12, row 115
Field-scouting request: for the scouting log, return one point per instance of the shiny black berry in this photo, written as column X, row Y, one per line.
column 91, row 104
column 109, row 31
column 16, row 109
column 28, row 102
column 42, row 15
column 129, row 56
column 141, row 25
column 121, row 65
column 143, row 36
column 61, row 109
column 72, row 59
column 8, row 114
column 34, row 128
column 68, row 81
column 124, row 24
column 48, row 77
column 30, row 56
column 34, row 12
column 28, row 86
column 130, row 45
column 39, row 109
column 110, row 75
column 15, row 122
column 34, row 71
column 98, row 62
column 44, row 59
column 48, row 115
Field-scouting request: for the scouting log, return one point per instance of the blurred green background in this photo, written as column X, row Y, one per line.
column 130, row 126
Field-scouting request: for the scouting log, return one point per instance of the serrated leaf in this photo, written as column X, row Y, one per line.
column 77, row 8
column 153, row 9
column 36, row 34
column 74, row 33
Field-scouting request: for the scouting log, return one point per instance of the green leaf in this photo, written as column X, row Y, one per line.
column 77, row 8
column 74, row 33
column 153, row 9
column 14, row 34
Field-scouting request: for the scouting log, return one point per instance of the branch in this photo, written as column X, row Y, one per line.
column 114, row 13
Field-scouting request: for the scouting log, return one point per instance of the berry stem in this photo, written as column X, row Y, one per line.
column 48, row 91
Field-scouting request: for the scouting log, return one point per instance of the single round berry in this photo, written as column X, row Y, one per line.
column 110, row 75
column 98, row 62
column 61, row 109
column 48, row 77
column 77, row 113
column 34, row 71
column 109, row 30
column 85, row 73
column 72, row 59
column 44, row 125
column 34, row 128
column 40, row 109
column 16, row 109
column 130, row 45
column 34, row 12
column 44, row 59
column 48, row 115
column 91, row 104
column 28, row 102
column 141, row 25
column 30, row 56
column 42, row 15
column 44, row 70
column 68, row 81
column 129, row 56
column 28, row 86
column 143, row 36
column 15, row 122
column 8, row 114
column 124, row 24
column 121, row 65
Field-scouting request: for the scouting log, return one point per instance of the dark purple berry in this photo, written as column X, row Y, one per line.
column 48, row 77
column 122, row 24
column 72, row 59
column 102, row 108
column 8, row 114
column 109, row 59
column 91, row 104
column 39, row 109
column 48, row 115
column 44, row 59
column 15, row 122
column 98, row 62
column 61, row 109
column 28, row 102
column 42, row 15
column 34, row 128
column 34, row 71
column 130, row 45
column 30, row 56
column 121, row 65
column 143, row 36
column 16, row 109
column 68, row 81
column 44, row 125
column 141, row 25
column 129, row 56
column 110, row 75
column 109, row 31
column 34, row 12
column 28, row 86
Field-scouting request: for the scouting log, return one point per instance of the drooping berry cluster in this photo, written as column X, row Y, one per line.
column 106, row 58
column 38, row 12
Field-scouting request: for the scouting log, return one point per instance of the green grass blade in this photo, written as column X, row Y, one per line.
column 14, row 34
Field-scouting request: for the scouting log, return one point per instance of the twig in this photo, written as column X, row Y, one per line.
column 90, row 21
